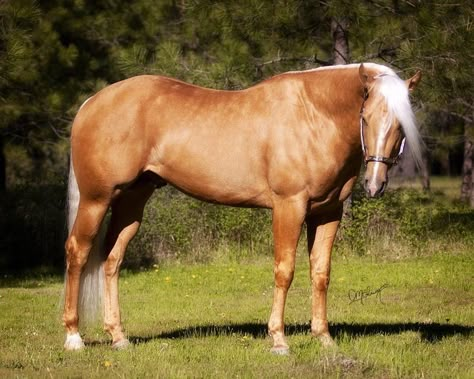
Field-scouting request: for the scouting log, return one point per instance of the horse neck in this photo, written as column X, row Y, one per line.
column 338, row 94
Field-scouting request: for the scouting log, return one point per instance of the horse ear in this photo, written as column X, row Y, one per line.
column 412, row 83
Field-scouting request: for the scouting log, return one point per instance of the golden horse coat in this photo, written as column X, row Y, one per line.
column 291, row 144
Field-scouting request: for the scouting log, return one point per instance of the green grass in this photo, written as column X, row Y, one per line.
column 450, row 186
column 204, row 319
column 209, row 320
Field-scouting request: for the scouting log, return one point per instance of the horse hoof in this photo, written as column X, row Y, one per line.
column 327, row 341
column 280, row 350
column 121, row 345
column 73, row 342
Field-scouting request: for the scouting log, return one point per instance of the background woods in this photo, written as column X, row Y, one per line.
column 54, row 54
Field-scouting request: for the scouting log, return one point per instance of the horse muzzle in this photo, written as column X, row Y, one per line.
column 376, row 179
column 375, row 189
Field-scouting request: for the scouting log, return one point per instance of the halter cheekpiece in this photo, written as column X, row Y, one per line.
column 375, row 158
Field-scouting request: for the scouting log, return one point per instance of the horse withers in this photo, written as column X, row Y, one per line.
column 293, row 143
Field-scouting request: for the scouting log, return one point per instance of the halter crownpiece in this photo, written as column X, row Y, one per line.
column 375, row 158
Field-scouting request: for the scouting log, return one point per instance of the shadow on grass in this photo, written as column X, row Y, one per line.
column 432, row 333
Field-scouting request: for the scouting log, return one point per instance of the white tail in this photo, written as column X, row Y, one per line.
column 91, row 293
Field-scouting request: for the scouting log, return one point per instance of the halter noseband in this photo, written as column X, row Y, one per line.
column 375, row 158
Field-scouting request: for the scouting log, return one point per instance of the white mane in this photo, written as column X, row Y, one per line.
column 378, row 67
column 396, row 95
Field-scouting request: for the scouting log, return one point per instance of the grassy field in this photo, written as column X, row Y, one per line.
column 210, row 321
column 448, row 186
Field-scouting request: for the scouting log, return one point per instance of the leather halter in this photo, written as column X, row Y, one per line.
column 375, row 158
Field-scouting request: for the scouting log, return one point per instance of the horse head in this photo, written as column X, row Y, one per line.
column 386, row 122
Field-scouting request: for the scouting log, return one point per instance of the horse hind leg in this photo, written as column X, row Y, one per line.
column 127, row 213
column 83, row 236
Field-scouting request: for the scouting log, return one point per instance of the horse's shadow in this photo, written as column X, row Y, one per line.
column 429, row 332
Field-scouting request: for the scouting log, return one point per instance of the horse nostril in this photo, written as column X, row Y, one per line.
column 373, row 189
column 380, row 191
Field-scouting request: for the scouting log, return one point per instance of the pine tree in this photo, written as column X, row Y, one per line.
column 16, row 69
column 55, row 54
column 442, row 44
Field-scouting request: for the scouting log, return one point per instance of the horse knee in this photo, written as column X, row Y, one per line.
column 321, row 282
column 283, row 274
column 275, row 326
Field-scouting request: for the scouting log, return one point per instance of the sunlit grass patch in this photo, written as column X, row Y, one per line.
column 209, row 320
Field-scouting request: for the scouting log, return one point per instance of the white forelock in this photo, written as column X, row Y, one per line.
column 396, row 95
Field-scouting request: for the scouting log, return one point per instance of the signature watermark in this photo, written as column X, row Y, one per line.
column 361, row 295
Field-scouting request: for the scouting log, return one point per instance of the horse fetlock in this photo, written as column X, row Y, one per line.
column 320, row 330
column 115, row 332
column 70, row 322
column 326, row 340
column 275, row 327
column 319, row 327
column 112, row 328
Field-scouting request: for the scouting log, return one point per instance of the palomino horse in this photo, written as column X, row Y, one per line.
column 293, row 143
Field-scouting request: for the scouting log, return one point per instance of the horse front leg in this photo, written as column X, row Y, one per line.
column 288, row 217
column 321, row 234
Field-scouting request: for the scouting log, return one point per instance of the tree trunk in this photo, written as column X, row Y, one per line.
column 471, row 200
column 467, row 192
column 425, row 171
column 340, row 32
column 3, row 164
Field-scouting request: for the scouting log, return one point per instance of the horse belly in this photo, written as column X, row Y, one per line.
column 221, row 172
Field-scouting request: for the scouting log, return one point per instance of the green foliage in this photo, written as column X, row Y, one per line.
column 405, row 222
column 177, row 227
column 17, row 69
